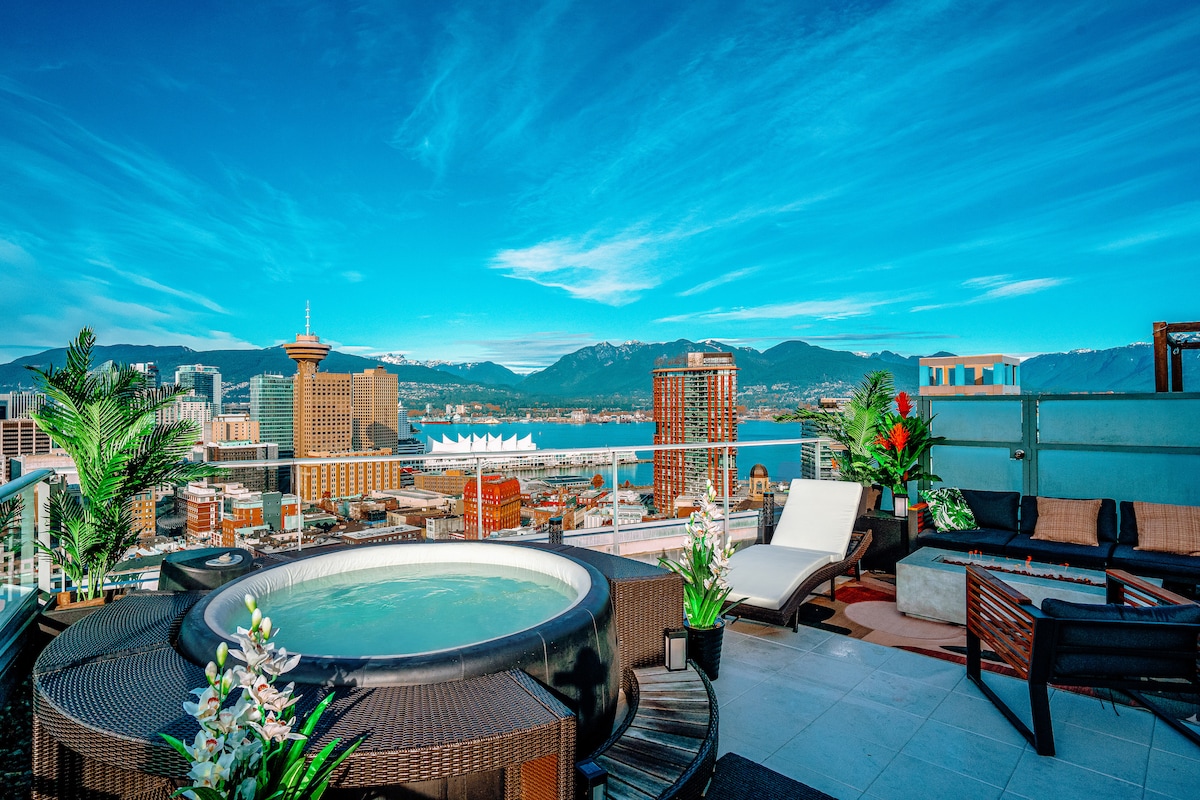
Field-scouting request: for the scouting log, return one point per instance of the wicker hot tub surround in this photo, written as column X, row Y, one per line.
column 106, row 688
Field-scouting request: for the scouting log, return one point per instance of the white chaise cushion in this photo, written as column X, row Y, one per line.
column 819, row 515
column 766, row 575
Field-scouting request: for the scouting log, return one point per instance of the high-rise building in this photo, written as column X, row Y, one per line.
column 255, row 479
column 234, row 428
column 203, row 513
column 20, row 405
column 271, row 408
column 322, row 401
column 20, row 437
column 403, row 424
column 204, row 381
column 145, row 514
column 500, row 505
column 695, row 401
column 189, row 407
column 150, row 370
column 345, row 477
column 375, row 394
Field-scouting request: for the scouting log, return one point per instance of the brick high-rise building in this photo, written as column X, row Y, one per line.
column 203, row 513
column 375, row 421
column 501, row 506
column 271, row 408
column 144, row 514
column 234, row 428
column 347, row 478
column 694, row 401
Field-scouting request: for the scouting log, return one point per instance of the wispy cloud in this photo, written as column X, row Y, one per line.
column 614, row 272
column 720, row 280
column 840, row 308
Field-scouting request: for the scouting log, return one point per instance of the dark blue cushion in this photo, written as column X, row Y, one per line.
column 1106, row 523
column 1146, row 645
column 1076, row 555
column 988, row 540
column 994, row 509
column 1153, row 564
column 1129, row 532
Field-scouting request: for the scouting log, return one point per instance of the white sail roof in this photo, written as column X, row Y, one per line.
column 475, row 443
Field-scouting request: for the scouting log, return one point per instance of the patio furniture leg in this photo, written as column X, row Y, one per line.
column 1043, row 730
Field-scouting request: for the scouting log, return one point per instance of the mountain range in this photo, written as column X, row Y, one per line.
column 607, row 374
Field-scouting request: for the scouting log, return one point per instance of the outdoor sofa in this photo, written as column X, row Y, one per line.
column 1007, row 523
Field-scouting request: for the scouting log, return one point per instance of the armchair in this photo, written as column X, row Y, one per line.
column 1144, row 639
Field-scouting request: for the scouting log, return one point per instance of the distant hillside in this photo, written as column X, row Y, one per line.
column 1118, row 369
column 486, row 373
column 236, row 366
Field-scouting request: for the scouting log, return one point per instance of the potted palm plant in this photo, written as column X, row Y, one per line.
column 854, row 428
column 106, row 419
column 703, row 566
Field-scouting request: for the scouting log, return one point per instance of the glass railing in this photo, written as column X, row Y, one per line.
column 23, row 504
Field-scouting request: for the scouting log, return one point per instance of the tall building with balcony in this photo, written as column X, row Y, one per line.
column 271, row 408
column 322, row 401
column 347, row 477
column 150, row 370
column 695, row 401
column 500, row 505
column 375, row 397
column 189, row 408
column 234, row 428
column 203, row 381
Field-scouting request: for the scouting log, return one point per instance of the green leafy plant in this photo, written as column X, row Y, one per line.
column 703, row 565
column 106, row 420
column 854, row 427
column 254, row 749
column 901, row 439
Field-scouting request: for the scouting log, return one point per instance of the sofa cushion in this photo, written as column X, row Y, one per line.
column 1067, row 521
column 989, row 540
column 1128, row 533
column 948, row 509
column 996, row 510
column 1142, row 644
column 819, row 515
column 1155, row 565
column 1168, row 529
column 1106, row 521
column 1049, row 552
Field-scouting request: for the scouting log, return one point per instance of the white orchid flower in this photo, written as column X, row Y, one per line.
column 207, row 707
column 205, row 746
column 273, row 730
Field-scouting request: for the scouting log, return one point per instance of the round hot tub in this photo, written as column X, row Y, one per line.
column 409, row 614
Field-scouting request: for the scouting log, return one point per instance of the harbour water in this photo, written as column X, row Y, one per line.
column 782, row 462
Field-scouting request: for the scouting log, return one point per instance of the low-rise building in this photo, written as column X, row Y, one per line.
column 346, row 477
column 450, row 482
column 499, row 505
column 443, row 527
column 391, row 533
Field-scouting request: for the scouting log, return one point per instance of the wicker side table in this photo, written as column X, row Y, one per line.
column 106, row 687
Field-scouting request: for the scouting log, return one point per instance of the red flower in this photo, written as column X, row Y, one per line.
column 904, row 404
column 898, row 437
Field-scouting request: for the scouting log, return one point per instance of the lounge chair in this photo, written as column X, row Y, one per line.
column 814, row 542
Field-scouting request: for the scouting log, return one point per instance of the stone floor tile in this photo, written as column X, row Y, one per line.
column 856, row 716
column 1045, row 778
column 909, row 778
column 853, row 650
column 822, row 783
column 1173, row 775
column 832, row 672
column 759, row 653
column 775, row 712
column 1168, row 739
column 1100, row 752
column 736, row 678
column 805, row 638
column 758, row 750
column 943, row 674
column 1134, row 724
column 905, row 694
column 848, row 759
column 977, row 715
column 975, row 756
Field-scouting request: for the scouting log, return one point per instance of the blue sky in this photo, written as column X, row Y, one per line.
column 512, row 181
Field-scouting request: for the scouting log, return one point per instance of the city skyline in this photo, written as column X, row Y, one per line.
column 466, row 184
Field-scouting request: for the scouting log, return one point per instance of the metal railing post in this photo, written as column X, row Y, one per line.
column 725, row 516
column 479, row 498
column 616, row 525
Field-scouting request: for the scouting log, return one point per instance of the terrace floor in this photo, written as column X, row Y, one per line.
column 858, row 720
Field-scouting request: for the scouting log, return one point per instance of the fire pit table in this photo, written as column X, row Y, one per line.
column 932, row 583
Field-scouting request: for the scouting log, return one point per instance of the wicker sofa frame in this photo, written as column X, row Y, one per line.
column 789, row 613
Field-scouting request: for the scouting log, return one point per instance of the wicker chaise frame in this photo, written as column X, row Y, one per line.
column 789, row 612
column 1030, row 642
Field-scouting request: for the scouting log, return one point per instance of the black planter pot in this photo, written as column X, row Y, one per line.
column 704, row 647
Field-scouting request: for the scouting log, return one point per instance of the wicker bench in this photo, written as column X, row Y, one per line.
column 106, row 687
column 667, row 744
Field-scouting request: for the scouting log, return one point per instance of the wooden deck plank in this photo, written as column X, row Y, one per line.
column 676, row 714
column 652, row 675
column 665, row 762
column 620, row 790
column 659, row 738
column 650, row 784
column 670, row 726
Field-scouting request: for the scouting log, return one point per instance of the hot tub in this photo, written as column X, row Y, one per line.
column 427, row 613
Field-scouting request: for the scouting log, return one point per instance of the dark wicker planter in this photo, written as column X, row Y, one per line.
column 704, row 647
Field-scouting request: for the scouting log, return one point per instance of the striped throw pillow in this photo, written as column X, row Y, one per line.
column 1168, row 529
